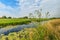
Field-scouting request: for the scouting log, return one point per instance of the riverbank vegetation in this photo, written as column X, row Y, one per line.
column 16, row 21
column 47, row 28
column 36, row 16
column 48, row 31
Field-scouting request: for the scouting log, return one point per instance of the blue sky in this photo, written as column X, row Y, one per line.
column 20, row 8
column 12, row 3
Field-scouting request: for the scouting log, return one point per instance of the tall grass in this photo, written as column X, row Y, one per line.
column 42, row 32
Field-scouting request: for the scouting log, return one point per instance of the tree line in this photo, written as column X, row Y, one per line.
column 5, row 17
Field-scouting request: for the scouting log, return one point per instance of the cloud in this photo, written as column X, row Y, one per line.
column 30, row 5
column 27, row 6
column 21, row 10
column 51, row 6
column 8, row 10
column 3, row 9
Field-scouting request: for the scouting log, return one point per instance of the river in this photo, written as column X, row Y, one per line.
column 17, row 28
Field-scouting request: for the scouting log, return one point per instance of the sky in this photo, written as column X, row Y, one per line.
column 20, row 8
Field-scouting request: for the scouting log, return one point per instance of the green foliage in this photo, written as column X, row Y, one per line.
column 52, row 37
column 4, row 17
column 39, row 33
column 5, row 22
column 25, row 17
column 9, row 17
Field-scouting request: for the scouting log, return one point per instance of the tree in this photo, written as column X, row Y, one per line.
column 25, row 17
column 4, row 17
column 9, row 17
column 38, row 12
column 47, row 14
column 30, row 15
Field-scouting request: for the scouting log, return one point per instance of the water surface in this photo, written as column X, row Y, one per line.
column 17, row 28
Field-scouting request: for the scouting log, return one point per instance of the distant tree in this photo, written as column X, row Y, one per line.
column 9, row 17
column 30, row 15
column 38, row 12
column 4, row 17
column 47, row 14
column 25, row 17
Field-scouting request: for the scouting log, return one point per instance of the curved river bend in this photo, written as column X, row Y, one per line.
column 16, row 29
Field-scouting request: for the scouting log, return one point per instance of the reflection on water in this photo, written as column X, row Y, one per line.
column 17, row 28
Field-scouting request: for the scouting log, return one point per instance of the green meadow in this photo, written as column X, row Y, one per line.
column 16, row 21
column 48, row 31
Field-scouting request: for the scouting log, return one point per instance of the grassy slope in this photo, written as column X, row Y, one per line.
column 49, row 31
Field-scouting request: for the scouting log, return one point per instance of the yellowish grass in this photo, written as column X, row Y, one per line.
column 48, row 31
column 53, row 27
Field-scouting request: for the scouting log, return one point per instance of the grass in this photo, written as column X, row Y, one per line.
column 53, row 27
column 40, row 20
column 48, row 31
column 16, row 21
column 5, row 22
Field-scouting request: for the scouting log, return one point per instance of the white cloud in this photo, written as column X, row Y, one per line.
column 2, row 5
column 47, row 5
column 36, row 0
column 51, row 6
column 8, row 10
column 27, row 6
column 44, row 1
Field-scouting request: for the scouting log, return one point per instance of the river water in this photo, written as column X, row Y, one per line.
column 17, row 28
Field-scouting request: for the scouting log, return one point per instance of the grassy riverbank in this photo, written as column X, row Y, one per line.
column 5, row 22
column 17, row 21
column 48, row 31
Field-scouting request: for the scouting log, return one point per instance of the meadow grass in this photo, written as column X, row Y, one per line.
column 17, row 21
column 47, row 31
column 6, row 22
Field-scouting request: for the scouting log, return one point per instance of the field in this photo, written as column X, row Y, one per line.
column 48, row 31
column 6, row 22
column 17, row 21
